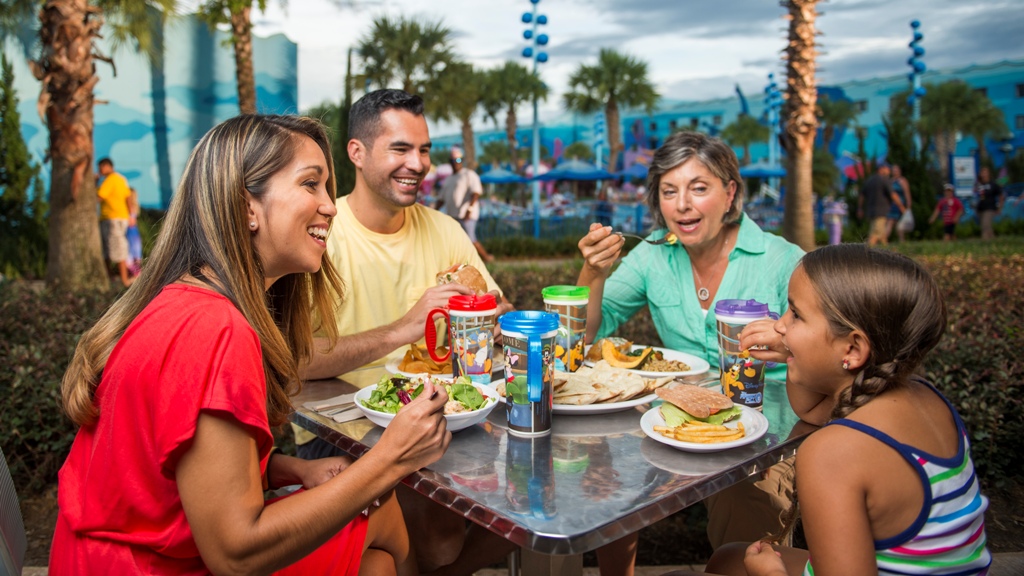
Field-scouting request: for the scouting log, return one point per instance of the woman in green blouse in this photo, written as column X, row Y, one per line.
column 696, row 193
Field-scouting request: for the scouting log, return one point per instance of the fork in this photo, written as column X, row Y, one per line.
column 669, row 238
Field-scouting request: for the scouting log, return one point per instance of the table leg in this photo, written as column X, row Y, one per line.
column 536, row 564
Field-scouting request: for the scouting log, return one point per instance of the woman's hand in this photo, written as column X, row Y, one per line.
column 418, row 436
column 601, row 248
column 764, row 342
column 321, row 470
column 762, row 560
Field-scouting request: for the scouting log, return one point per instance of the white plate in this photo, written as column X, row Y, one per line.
column 697, row 365
column 604, row 407
column 392, row 367
column 455, row 421
column 755, row 424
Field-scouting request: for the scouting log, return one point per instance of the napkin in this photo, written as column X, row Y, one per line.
column 340, row 408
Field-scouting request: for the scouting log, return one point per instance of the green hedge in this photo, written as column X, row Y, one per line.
column 978, row 364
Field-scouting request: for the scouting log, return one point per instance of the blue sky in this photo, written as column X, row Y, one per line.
column 696, row 49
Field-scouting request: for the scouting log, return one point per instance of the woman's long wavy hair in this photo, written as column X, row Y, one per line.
column 890, row 298
column 206, row 235
column 712, row 152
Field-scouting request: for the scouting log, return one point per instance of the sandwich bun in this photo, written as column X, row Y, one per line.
column 697, row 403
column 463, row 274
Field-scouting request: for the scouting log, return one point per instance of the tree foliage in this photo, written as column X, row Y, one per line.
column 955, row 107
column 506, row 87
column 616, row 80
column 460, row 92
column 22, row 216
column 238, row 15
column 835, row 116
column 743, row 132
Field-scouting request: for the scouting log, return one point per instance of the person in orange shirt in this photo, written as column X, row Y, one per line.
column 114, row 193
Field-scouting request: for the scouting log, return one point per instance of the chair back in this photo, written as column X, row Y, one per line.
column 12, row 528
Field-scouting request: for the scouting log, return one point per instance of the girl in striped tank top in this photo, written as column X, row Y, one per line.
column 887, row 486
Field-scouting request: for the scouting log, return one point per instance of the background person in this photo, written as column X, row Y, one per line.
column 873, row 203
column 695, row 192
column 460, row 198
column 990, row 202
column 900, row 206
column 134, row 238
column 951, row 209
column 388, row 249
column 177, row 385
column 114, row 216
column 888, row 486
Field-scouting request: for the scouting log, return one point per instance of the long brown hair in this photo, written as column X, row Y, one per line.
column 890, row 298
column 206, row 233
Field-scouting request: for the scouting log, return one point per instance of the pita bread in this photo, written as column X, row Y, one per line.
column 576, row 399
column 698, row 402
column 656, row 383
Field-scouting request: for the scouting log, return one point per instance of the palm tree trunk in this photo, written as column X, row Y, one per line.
column 241, row 31
column 945, row 143
column 469, row 143
column 801, row 121
column 510, row 135
column 66, row 70
column 611, row 113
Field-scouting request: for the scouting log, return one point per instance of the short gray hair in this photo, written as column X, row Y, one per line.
column 714, row 154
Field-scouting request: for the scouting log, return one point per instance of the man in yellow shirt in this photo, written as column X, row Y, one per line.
column 113, row 194
column 388, row 249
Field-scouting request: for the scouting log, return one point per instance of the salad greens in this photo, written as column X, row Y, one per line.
column 393, row 392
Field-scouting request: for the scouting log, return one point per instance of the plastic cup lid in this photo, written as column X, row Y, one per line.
column 529, row 322
column 742, row 308
column 474, row 303
column 565, row 293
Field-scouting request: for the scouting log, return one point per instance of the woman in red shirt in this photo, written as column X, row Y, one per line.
column 176, row 387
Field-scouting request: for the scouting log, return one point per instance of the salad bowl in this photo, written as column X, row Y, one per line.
column 456, row 422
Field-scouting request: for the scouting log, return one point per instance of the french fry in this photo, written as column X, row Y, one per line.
column 702, row 432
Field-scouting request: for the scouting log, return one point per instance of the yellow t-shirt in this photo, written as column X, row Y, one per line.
column 114, row 193
column 385, row 274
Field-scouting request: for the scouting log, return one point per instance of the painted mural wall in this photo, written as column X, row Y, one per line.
column 150, row 115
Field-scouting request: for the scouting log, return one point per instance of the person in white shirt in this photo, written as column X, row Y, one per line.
column 460, row 198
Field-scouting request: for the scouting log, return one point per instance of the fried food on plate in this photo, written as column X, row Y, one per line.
column 418, row 361
column 702, row 433
column 596, row 351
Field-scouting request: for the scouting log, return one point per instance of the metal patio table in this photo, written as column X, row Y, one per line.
column 595, row 479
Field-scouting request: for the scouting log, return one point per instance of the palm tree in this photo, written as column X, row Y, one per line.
column 460, row 92
column 237, row 13
column 953, row 107
column 505, row 88
column 66, row 70
column 743, row 132
column 616, row 80
column 801, row 121
column 835, row 115
column 405, row 53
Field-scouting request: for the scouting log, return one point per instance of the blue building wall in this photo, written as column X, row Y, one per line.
column 150, row 115
column 1003, row 82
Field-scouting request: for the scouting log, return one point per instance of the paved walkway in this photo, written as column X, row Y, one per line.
column 1003, row 564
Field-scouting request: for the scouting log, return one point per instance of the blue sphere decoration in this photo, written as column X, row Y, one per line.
column 918, row 51
column 527, row 17
column 534, row 1
column 528, row 52
column 915, row 24
column 918, row 36
column 910, row 61
column 919, row 92
column 542, row 57
column 542, row 39
column 542, row 19
column 919, row 67
column 527, row 34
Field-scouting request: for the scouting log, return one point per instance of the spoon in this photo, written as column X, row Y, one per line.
column 669, row 238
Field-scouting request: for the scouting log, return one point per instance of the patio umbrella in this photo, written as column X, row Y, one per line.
column 575, row 170
column 501, row 176
column 762, row 170
column 635, row 172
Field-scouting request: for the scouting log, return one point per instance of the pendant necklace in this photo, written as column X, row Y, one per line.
column 702, row 292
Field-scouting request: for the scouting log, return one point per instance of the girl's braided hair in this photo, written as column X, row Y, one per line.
column 889, row 297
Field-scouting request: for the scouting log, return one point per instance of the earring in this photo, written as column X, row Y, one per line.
column 846, row 364
column 252, row 224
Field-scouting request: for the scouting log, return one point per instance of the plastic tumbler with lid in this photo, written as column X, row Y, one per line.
column 570, row 303
column 470, row 323
column 528, row 338
column 742, row 374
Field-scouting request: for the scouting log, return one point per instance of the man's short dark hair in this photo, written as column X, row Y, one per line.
column 106, row 161
column 364, row 117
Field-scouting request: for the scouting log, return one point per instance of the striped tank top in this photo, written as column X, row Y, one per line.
column 948, row 535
